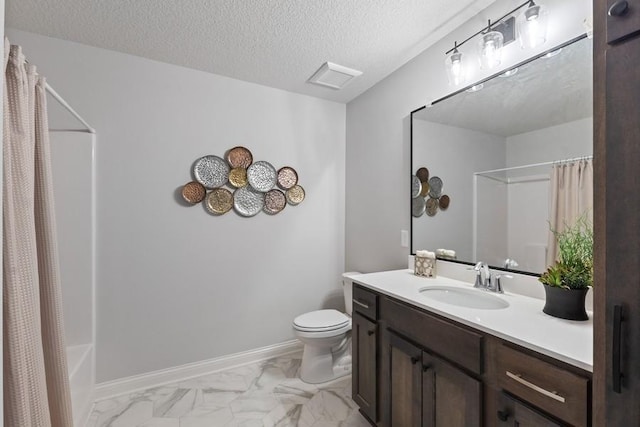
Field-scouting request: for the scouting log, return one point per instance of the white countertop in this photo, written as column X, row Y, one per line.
column 522, row 323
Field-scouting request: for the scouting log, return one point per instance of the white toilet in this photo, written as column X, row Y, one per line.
column 327, row 340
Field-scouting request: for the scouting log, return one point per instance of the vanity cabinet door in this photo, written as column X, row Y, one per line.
column 514, row 413
column 403, row 394
column 364, row 383
column 450, row 397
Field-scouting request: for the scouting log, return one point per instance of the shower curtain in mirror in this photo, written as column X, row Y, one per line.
column 36, row 383
column 570, row 196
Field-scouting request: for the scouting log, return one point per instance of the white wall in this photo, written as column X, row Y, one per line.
column 175, row 284
column 378, row 135
column 436, row 146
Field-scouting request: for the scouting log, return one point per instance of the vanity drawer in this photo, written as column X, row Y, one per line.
column 551, row 388
column 458, row 345
column 365, row 302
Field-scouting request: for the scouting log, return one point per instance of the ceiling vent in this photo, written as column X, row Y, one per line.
column 334, row 76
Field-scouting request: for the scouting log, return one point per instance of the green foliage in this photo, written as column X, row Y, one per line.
column 574, row 267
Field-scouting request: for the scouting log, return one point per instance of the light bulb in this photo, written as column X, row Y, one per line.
column 455, row 69
column 490, row 47
column 532, row 27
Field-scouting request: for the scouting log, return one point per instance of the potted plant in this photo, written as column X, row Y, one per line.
column 568, row 280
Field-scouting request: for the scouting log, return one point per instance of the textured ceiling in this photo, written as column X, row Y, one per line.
column 278, row 43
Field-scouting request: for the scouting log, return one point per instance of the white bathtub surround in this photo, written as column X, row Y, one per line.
column 266, row 393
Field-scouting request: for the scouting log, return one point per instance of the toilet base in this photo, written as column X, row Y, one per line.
column 322, row 364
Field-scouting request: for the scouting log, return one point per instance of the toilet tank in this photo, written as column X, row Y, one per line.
column 347, row 287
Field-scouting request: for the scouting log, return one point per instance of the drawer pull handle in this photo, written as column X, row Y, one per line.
column 551, row 394
column 616, row 371
column 619, row 8
column 361, row 304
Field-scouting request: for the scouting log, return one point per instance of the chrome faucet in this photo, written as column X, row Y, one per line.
column 486, row 280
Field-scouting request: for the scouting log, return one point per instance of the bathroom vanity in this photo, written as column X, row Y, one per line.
column 420, row 361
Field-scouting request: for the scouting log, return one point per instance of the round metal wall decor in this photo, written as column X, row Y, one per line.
column 211, row 171
column 262, row 176
column 238, row 177
column 254, row 184
column 417, row 207
column 287, row 177
column 295, row 195
column 416, row 186
column 435, row 187
column 194, row 192
column 219, row 201
column 423, row 174
column 444, row 202
column 248, row 201
column 239, row 157
column 274, row 201
column 432, row 206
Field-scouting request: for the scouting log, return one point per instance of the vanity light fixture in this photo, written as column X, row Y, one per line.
column 510, row 72
column 490, row 48
column 475, row 88
column 553, row 53
column 532, row 31
column 532, row 27
column 455, row 67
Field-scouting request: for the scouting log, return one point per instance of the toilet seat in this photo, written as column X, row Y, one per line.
column 322, row 323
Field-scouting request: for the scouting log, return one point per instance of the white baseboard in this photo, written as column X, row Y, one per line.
column 134, row 383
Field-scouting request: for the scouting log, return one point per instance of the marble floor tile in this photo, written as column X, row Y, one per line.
column 263, row 394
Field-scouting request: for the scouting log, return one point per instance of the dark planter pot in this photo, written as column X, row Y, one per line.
column 565, row 303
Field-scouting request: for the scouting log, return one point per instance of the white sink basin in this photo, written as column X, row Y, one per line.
column 470, row 298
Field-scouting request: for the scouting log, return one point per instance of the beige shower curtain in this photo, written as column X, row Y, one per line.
column 36, row 383
column 570, row 196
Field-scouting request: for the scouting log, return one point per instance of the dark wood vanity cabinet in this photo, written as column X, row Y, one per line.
column 364, row 348
column 422, row 370
column 514, row 413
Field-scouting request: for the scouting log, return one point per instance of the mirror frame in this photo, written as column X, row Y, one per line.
column 520, row 64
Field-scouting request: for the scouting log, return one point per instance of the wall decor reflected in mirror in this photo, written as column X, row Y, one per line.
column 517, row 156
column 427, row 194
column 254, row 186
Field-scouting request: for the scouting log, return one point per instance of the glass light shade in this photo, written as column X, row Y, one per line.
column 490, row 50
column 532, row 26
column 455, row 69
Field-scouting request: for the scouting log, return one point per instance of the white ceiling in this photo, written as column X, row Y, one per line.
column 278, row 43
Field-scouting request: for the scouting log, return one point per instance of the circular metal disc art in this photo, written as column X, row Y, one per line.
column 262, row 176
column 425, row 189
column 432, row 206
column 239, row 157
column 295, row 195
column 219, row 201
column 444, row 202
column 211, row 171
column 274, row 201
column 423, row 174
column 193, row 192
column 287, row 177
column 416, row 186
column 247, row 201
column 435, row 187
column 417, row 207
column 238, row 177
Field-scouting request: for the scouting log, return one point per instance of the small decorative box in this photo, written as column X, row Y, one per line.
column 424, row 264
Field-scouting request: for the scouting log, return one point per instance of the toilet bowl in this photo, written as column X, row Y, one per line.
column 326, row 335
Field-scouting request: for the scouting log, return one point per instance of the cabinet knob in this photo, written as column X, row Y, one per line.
column 425, row 368
column 371, row 332
column 414, row 360
column 503, row 415
column 619, row 8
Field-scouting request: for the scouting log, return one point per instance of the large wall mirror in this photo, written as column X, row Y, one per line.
column 489, row 166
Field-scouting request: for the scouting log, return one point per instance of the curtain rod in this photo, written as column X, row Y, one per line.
column 68, row 107
column 533, row 165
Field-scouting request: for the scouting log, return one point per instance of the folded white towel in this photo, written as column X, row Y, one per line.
column 425, row 254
